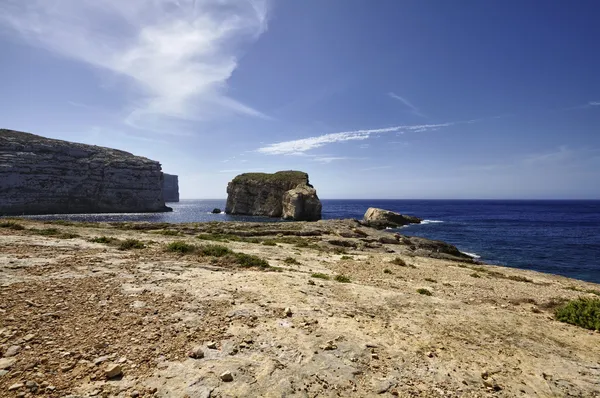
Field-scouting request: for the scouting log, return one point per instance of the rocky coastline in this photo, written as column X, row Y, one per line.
column 325, row 308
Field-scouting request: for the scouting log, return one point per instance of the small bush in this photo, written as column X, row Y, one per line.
column 519, row 278
column 12, row 225
column 219, row 237
column 399, row 261
column 215, row 250
column 169, row 232
column 584, row 312
column 346, row 258
column 45, row 232
column 339, row 250
column 424, row 291
column 68, row 235
column 430, row 280
column 129, row 244
column 102, row 239
column 291, row 260
column 248, row 260
column 387, row 271
column 342, row 278
column 269, row 243
column 180, row 247
column 475, row 275
column 319, row 275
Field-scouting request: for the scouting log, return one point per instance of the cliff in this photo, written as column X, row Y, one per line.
column 379, row 218
column 39, row 175
column 170, row 187
column 286, row 194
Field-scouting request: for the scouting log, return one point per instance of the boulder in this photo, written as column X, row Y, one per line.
column 39, row 175
column 216, row 211
column 380, row 219
column 285, row 194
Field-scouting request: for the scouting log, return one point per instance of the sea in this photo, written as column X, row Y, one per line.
column 558, row 237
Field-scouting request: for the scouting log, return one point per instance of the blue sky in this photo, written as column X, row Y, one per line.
column 374, row 99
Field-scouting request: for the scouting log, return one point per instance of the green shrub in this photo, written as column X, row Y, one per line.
column 249, row 260
column 180, row 247
column 219, row 237
column 291, row 260
column 584, row 312
column 68, row 235
column 346, row 258
column 129, row 244
column 339, row 250
column 475, row 275
column 269, row 243
column 387, row 271
column 320, row 276
column 103, row 239
column 341, row 278
column 45, row 232
column 424, row 291
column 12, row 225
column 399, row 261
column 168, row 232
column 215, row 250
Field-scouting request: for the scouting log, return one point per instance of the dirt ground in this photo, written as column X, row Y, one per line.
column 196, row 325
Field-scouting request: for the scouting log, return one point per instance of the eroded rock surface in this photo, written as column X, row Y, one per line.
column 380, row 218
column 170, row 187
column 285, row 194
column 39, row 175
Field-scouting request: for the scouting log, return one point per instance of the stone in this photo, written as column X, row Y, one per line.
column 12, row 351
column 226, row 376
column 7, row 363
column 216, row 211
column 113, row 371
column 29, row 337
column 3, row 373
column 196, row 352
column 329, row 346
column 211, row 345
column 16, row 386
column 380, row 219
column 39, row 175
column 287, row 312
column 170, row 187
column 285, row 194
column 31, row 386
column 134, row 394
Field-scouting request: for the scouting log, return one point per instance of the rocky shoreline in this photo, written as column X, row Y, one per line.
column 326, row 308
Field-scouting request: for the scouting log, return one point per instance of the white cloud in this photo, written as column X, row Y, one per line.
column 179, row 54
column 295, row 147
column 406, row 102
column 594, row 103
column 377, row 168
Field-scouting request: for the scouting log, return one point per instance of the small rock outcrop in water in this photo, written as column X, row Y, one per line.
column 216, row 211
column 39, row 175
column 285, row 194
column 170, row 187
column 379, row 218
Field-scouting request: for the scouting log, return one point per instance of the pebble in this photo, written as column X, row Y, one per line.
column 15, row 386
column 196, row 352
column 7, row 363
column 226, row 376
column 3, row 372
column 212, row 345
column 113, row 371
column 329, row 346
column 288, row 311
column 32, row 386
column 12, row 351
column 135, row 394
column 29, row 337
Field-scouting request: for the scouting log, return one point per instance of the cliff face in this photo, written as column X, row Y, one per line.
column 285, row 194
column 39, row 175
column 170, row 187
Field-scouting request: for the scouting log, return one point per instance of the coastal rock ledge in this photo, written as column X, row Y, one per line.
column 286, row 194
column 39, row 175
column 380, row 218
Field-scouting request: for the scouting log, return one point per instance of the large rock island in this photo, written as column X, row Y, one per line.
column 170, row 187
column 39, row 175
column 286, row 194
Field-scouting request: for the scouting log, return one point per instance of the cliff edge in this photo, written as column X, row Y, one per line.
column 170, row 187
column 39, row 175
column 286, row 194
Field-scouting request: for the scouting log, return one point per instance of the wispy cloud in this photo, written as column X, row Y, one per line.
column 376, row 168
column 594, row 103
column 305, row 144
column 179, row 54
column 406, row 102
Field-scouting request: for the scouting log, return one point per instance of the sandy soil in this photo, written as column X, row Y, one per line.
column 70, row 308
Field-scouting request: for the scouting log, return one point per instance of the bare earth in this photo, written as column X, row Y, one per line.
column 70, row 308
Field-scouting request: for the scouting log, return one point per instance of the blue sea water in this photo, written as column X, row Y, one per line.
column 559, row 237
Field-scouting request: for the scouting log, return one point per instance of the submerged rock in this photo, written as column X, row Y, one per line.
column 380, row 218
column 285, row 194
column 39, row 175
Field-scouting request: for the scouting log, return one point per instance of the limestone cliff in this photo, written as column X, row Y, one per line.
column 170, row 187
column 379, row 218
column 285, row 194
column 39, row 175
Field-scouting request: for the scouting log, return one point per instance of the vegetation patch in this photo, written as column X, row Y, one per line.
column 269, row 242
column 103, row 239
column 339, row 250
column 168, row 232
column 291, row 260
column 249, row 260
column 295, row 177
column 475, row 275
column 45, row 232
column 430, row 280
column 180, row 247
column 424, row 292
column 387, row 271
column 399, row 261
column 12, row 225
column 519, row 278
column 320, row 275
column 341, row 278
column 215, row 250
column 583, row 312
column 130, row 244
column 590, row 291
column 346, row 258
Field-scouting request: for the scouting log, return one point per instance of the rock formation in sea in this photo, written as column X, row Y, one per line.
column 170, row 187
column 380, row 218
column 286, row 194
column 39, row 175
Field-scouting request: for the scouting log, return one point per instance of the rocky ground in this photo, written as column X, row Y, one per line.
column 342, row 310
